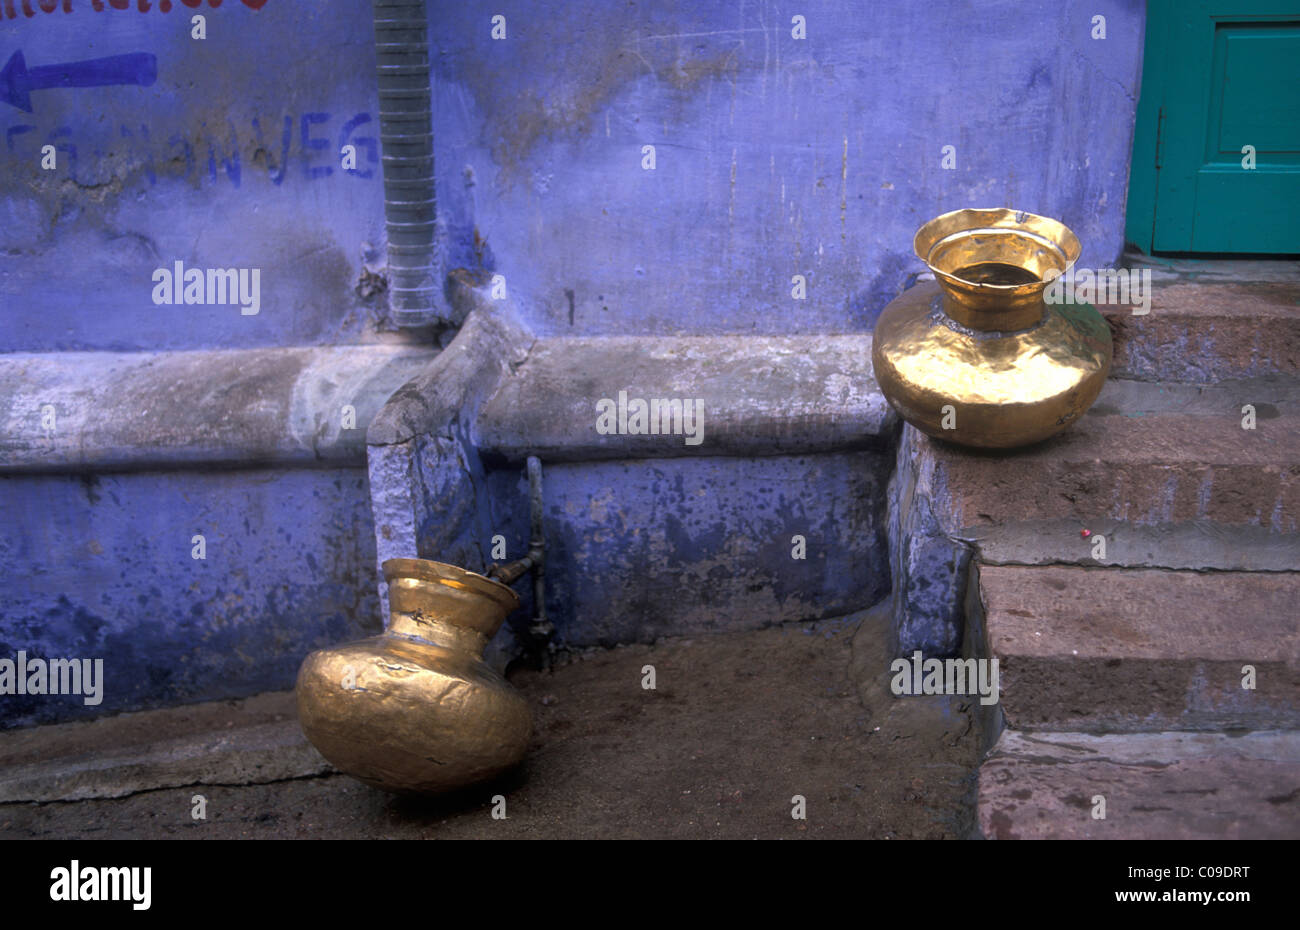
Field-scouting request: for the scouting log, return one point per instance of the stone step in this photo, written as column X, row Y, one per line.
column 1126, row 650
column 1153, row 476
column 1154, row 786
column 1192, row 545
column 1210, row 330
column 1173, row 457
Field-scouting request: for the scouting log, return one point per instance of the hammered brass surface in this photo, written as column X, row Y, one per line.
column 415, row 709
column 1013, row 369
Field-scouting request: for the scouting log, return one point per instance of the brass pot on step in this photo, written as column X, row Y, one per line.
column 415, row 709
column 978, row 357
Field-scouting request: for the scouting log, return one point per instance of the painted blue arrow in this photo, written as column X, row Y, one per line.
column 17, row 81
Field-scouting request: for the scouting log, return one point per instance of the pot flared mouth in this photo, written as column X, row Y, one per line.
column 452, row 576
column 997, row 248
column 994, row 264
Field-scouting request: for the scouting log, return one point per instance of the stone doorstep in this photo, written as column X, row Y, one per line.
column 1118, row 649
column 242, row 742
column 166, row 410
column 1210, row 329
column 1214, row 270
column 1155, row 785
column 761, row 395
column 1144, row 454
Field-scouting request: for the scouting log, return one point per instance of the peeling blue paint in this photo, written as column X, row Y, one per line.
column 647, row 548
column 115, row 579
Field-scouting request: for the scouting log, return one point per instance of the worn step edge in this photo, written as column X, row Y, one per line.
column 1212, row 328
column 1196, row 545
column 228, row 743
column 1155, row 786
column 1171, row 468
column 1123, row 612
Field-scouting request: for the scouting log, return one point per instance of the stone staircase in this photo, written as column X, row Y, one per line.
column 1138, row 580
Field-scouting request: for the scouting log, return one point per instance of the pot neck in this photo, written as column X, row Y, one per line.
column 459, row 612
column 992, row 308
column 420, row 626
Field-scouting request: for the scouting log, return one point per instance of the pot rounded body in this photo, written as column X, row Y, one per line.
column 988, row 388
column 415, row 709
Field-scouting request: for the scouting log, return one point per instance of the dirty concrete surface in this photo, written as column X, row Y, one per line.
column 737, row 725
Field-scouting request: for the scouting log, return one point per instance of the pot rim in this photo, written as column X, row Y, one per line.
column 1053, row 233
column 452, row 575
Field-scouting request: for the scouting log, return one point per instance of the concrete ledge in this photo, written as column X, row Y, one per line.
column 251, row 741
column 1215, row 270
column 644, row 536
column 1155, row 785
column 166, row 410
column 491, row 342
column 761, row 395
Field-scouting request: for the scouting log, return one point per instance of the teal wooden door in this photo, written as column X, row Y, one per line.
column 1220, row 86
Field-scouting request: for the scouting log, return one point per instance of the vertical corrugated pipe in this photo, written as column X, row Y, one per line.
column 406, row 135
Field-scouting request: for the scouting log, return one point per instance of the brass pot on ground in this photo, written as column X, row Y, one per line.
column 978, row 357
column 415, row 709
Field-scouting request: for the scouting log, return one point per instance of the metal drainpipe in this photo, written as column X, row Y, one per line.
column 541, row 630
column 406, row 137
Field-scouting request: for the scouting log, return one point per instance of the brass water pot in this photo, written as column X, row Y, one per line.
column 978, row 357
column 415, row 709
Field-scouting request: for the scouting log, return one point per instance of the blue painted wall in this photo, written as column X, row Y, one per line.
column 103, row 567
column 775, row 156
column 646, row 548
column 229, row 159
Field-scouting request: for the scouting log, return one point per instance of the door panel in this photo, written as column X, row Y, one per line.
column 1219, row 76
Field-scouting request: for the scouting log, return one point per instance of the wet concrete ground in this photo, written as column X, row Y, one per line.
column 737, row 726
